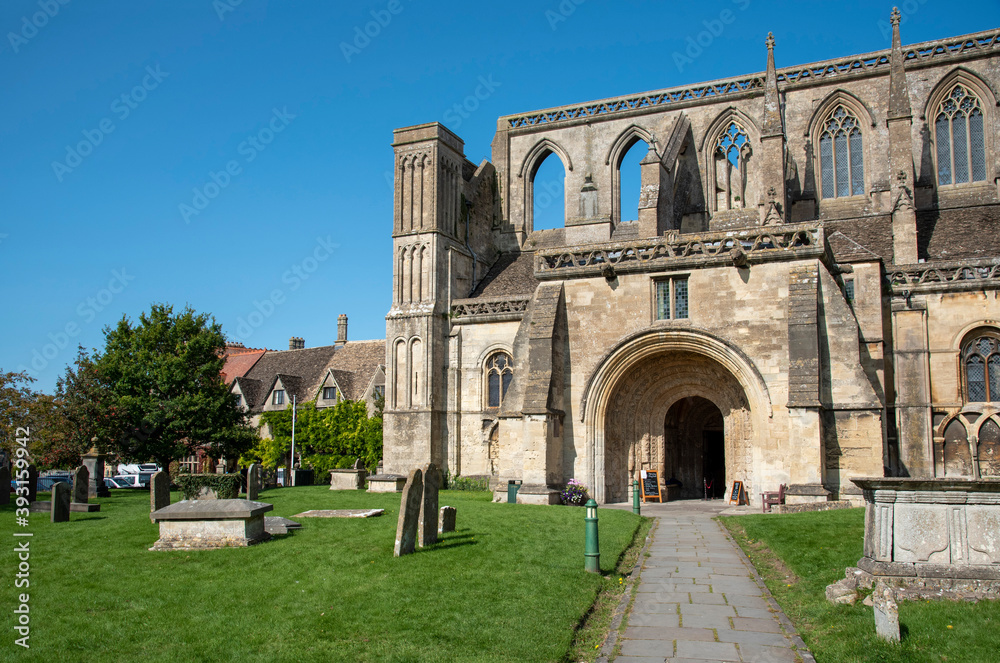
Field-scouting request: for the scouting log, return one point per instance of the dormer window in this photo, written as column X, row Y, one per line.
column 278, row 397
column 329, row 393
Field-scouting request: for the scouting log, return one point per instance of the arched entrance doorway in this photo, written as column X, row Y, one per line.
column 695, row 447
column 680, row 402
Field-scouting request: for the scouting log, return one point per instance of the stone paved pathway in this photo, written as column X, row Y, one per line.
column 698, row 600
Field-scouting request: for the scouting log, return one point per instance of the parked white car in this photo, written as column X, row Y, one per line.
column 128, row 481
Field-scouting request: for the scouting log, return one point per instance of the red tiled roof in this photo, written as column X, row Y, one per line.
column 239, row 362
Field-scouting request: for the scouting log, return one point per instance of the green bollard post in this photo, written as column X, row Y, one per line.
column 635, row 497
column 592, row 548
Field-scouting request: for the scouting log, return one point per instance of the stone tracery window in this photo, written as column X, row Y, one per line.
column 732, row 150
column 981, row 366
column 499, row 373
column 841, row 155
column 960, row 141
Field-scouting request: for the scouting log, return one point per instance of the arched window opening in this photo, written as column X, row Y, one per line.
column 981, row 364
column 732, row 150
column 499, row 373
column 959, row 138
column 630, row 180
column 548, row 196
column 989, row 449
column 957, row 455
column 841, row 156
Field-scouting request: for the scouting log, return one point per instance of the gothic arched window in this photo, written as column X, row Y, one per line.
column 499, row 372
column 959, row 138
column 981, row 366
column 732, row 149
column 840, row 155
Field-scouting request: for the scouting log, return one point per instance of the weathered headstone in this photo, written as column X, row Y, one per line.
column 4, row 483
column 159, row 491
column 357, row 464
column 32, row 483
column 446, row 519
column 409, row 514
column 94, row 462
column 886, row 613
column 427, row 533
column 81, row 484
column 60, row 502
column 253, row 481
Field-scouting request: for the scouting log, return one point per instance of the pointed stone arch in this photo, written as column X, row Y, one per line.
column 744, row 394
column 529, row 167
column 625, row 141
column 814, row 130
column 750, row 189
column 988, row 99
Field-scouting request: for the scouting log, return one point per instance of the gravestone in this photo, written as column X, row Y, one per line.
column 60, row 502
column 253, row 481
column 409, row 514
column 32, row 483
column 357, row 464
column 427, row 533
column 446, row 519
column 886, row 613
column 93, row 460
column 4, row 482
column 81, row 484
column 159, row 491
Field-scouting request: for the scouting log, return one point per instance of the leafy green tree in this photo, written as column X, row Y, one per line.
column 162, row 396
column 16, row 398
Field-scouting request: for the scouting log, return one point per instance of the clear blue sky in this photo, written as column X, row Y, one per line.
column 162, row 95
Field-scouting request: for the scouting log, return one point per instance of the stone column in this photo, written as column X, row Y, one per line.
column 911, row 369
column 93, row 460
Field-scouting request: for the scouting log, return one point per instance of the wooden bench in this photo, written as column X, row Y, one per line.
column 767, row 500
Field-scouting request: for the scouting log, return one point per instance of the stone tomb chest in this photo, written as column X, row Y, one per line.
column 210, row 524
column 944, row 529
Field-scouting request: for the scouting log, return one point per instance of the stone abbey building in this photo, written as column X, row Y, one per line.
column 809, row 294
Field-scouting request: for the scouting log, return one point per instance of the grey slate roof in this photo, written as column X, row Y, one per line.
column 354, row 365
column 302, row 372
column 511, row 274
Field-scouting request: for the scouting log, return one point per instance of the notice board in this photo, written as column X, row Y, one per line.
column 651, row 486
column 738, row 494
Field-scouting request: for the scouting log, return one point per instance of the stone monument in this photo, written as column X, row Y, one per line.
column 446, row 519
column 93, row 460
column 211, row 524
column 428, row 528
column 409, row 514
column 886, row 613
column 4, row 482
column 60, row 502
column 253, row 481
column 81, row 487
column 159, row 492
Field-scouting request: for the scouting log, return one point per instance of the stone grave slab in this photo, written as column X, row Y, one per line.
column 446, row 519
column 348, row 479
column 409, row 514
column 340, row 513
column 60, row 502
column 81, row 484
column 427, row 529
column 275, row 525
column 159, row 492
column 386, row 483
column 211, row 524
column 253, row 481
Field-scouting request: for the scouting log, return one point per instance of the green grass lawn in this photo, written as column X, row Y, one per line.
column 508, row 585
column 800, row 554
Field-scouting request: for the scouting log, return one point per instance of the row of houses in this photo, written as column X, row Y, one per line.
column 265, row 380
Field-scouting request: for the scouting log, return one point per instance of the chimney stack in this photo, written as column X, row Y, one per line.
column 296, row 343
column 341, row 329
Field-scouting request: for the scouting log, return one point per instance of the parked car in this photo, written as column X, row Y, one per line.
column 128, row 481
column 46, row 483
column 116, row 482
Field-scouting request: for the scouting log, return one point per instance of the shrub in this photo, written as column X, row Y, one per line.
column 574, row 494
column 458, row 482
column 226, row 486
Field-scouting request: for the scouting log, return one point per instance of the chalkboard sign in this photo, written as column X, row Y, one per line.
column 650, row 486
column 738, row 495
